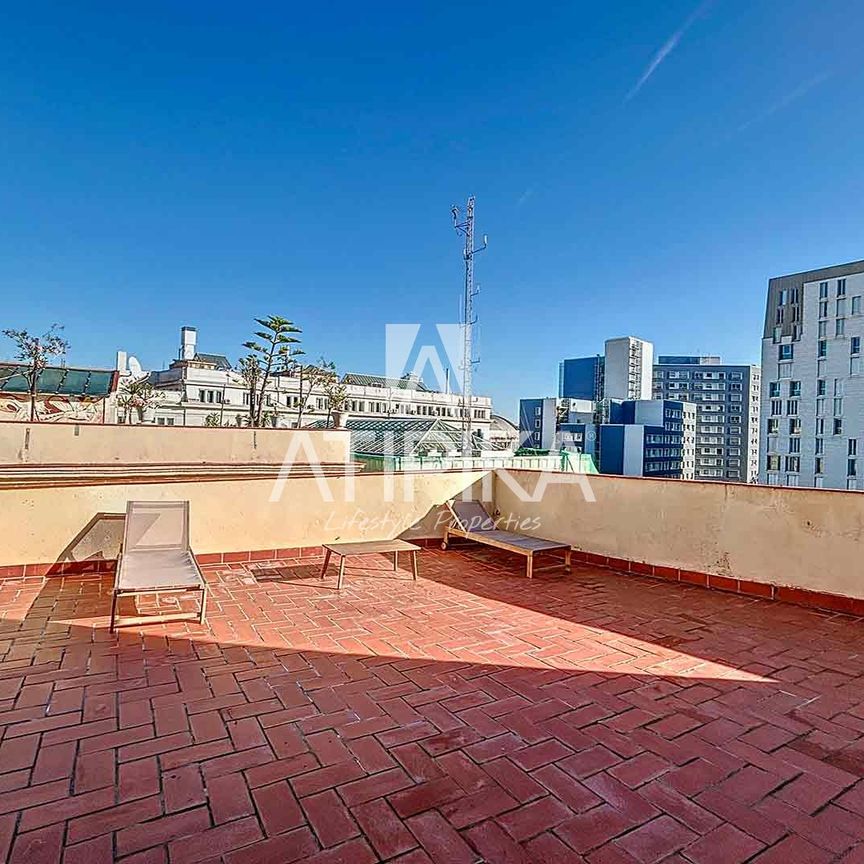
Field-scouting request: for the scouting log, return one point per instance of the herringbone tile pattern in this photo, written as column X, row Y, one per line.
column 472, row 716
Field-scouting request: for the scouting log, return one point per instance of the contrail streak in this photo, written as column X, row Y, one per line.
column 667, row 48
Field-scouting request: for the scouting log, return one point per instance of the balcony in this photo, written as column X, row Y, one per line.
column 623, row 712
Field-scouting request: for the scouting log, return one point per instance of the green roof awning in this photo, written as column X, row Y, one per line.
column 58, row 381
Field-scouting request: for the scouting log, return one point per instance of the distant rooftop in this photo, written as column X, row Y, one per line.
column 394, row 436
column 220, row 361
column 407, row 383
column 502, row 424
column 689, row 360
column 58, row 380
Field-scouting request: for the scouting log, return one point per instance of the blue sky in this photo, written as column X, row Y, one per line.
column 640, row 168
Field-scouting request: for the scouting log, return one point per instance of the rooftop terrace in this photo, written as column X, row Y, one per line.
column 471, row 716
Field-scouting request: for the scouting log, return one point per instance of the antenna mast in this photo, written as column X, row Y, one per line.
column 465, row 227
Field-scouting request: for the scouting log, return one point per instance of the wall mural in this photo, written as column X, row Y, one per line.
column 53, row 409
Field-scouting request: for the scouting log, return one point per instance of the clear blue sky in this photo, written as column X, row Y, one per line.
column 640, row 167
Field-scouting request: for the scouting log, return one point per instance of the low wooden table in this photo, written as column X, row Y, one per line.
column 372, row 547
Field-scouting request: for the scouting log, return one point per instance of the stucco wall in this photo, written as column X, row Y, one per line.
column 806, row 538
column 74, row 523
column 45, row 444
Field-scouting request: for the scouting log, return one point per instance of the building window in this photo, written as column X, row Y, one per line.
column 823, row 290
column 773, row 425
column 838, row 425
column 791, row 406
column 820, row 445
column 851, row 467
column 821, row 387
column 823, row 329
column 786, row 351
column 819, row 465
column 840, row 327
column 821, row 348
column 776, row 406
column 773, row 463
column 820, row 406
column 856, row 304
column 774, row 389
column 794, row 388
column 838, row 406
column 794, row 445
column 823, row 308
column 852, row 448
column 795, row 426
column 841, row 287
column 855, row 345
column 793, row 464
column 854, row 365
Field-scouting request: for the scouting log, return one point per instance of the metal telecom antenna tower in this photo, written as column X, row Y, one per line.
column 465, row 226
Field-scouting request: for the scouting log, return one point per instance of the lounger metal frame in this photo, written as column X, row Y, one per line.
column 183, row 549
column 509, row 544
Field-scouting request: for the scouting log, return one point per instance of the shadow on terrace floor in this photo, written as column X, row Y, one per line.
column 471, row 716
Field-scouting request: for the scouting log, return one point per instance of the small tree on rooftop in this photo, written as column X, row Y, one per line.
column 251, row 372
column 309, row 377
column 335, row 390
column 271, row 351
column 315, row 378
column 137, row 394
column 35, row 352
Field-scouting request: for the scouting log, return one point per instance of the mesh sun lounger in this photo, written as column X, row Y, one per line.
column 156, row 557
column 471, row 521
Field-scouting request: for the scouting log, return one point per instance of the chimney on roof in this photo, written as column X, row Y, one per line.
column 188, row 340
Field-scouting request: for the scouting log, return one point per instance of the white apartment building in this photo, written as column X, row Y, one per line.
column 627, row 370
column 812, row 381
column 198, row 386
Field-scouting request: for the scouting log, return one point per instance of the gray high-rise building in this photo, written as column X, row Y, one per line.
column 623, row 371
column 727, row 400
column 813, row 387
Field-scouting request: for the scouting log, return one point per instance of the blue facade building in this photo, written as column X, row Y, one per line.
column 538, row 423
column 643, row 438
column 581, row 378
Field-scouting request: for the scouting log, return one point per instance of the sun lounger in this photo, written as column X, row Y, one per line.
column 471, row 521
column 156, row 557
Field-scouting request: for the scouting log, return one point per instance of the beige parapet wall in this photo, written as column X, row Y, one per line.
column 805, row 538
column 79, row 522
column 56, row 443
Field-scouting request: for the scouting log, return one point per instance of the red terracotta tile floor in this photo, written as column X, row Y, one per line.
column 471, row 716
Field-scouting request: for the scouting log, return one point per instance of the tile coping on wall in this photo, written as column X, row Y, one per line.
column 762, row 590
